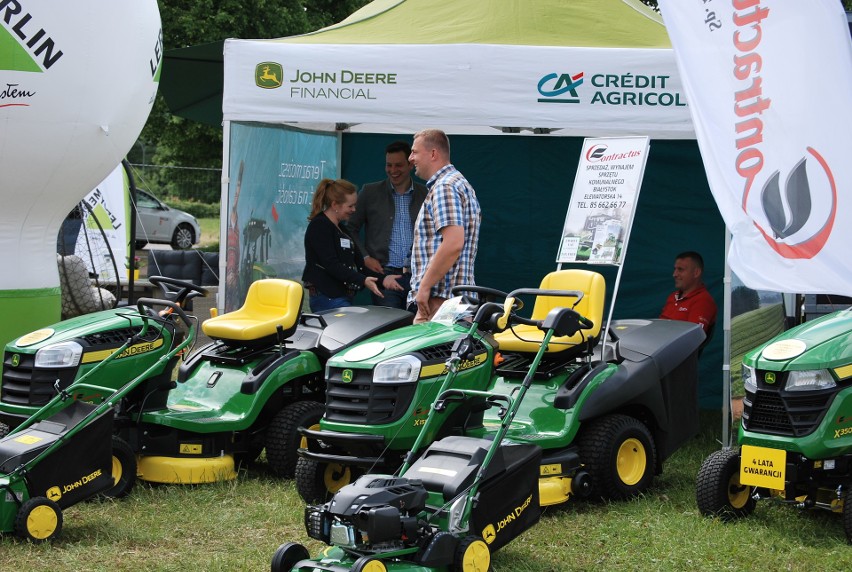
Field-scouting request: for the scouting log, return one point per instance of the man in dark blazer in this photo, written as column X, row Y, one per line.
column 387, row 210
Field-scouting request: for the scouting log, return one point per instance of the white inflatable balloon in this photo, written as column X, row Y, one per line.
column 77, row 83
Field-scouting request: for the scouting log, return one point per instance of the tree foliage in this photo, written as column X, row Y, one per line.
column 167, row 139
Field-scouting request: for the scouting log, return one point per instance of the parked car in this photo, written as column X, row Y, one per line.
column 157, row 222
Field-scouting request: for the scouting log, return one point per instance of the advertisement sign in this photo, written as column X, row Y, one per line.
column 274, row 172
column 102, row 243
column 603, row 200
column 577, row 90
column 775, row 152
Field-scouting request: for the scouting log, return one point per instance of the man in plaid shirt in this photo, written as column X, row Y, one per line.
column 447, row 229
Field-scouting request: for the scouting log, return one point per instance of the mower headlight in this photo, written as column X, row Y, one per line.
column 749, row 379
column 404, row 369
column 65, row 354
column 812, row 380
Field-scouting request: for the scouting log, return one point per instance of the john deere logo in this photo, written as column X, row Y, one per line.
column 54, row 494
column 348, row 375
column 16, row 360
column 489, row 535
column 769, row 378
column 268, row 75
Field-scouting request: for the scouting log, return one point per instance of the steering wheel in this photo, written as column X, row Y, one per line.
column 175, row 290
column 484, row 292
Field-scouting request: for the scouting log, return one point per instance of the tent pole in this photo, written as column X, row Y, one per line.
column 726, row 350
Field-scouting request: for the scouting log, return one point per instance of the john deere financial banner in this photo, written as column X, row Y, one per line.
column 769, row 85
column 577, row 90
column 273, row 174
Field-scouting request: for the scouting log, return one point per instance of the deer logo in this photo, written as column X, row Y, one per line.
column 268, row 75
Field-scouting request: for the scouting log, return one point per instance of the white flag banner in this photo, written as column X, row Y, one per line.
column 769, row 85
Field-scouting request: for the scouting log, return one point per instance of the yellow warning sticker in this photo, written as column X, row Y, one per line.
column 27, row 439
column 762, row 467
column 190, row 449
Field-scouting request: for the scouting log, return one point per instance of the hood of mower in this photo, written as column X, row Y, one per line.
column 85, row 325
column 822, row 343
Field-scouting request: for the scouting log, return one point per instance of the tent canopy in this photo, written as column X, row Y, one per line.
column 586, row 67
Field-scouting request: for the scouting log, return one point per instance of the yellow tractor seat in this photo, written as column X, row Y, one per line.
column 524, row 338
column 269, row 303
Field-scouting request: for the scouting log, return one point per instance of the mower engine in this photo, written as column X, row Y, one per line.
column 375, row 513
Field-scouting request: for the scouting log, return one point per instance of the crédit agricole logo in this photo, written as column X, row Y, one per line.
column 25, row 46
column 798, row 214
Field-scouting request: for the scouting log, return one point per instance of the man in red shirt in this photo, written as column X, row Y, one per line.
column 690, row 302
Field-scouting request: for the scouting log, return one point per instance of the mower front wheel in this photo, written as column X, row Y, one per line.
column 619, row 454
column 368, row 564
column 718, row 491
column 287, row 556
column 472, row 555
column 317, row 482
column 282, row 436
column 123, row 469
column 38, row 520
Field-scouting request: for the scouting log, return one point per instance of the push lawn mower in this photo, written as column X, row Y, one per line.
column 605, row 416
column 249, row 389
column 66, row 452
column 459, row 501
column 795, row 439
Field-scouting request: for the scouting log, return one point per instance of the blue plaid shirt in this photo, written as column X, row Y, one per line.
column 400, row 238
column 451, row 202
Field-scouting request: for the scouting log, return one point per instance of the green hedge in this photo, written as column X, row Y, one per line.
column 196, row 209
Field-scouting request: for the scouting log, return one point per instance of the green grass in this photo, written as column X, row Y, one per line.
column 209, row 234
column 238, row 526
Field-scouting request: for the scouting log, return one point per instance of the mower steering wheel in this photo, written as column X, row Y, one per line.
column 484, row 292
column 177, row 290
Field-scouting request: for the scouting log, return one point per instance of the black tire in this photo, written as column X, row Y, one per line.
column 123, row 469
column 472, row 555
column 619, row 454
column 368, row 564
column 847, row 512
column 718, row 491
column 39, row 520
column 4, row 430
column 183, row 238
column 317, row 482
column 282, row 435
column 287, row 555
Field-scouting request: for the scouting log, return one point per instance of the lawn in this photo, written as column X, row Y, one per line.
column 238, row 525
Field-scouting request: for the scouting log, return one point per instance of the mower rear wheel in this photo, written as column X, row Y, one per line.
column 368, row 564
column 317, row 482
column 472, row 555
column 287, row 555
column 123, row 469
column 619, row 454
column 282, row 436
column 718, row 491
column 847, row 512
column 39, row 519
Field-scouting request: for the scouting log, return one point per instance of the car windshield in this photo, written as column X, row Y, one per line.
column 454, row 310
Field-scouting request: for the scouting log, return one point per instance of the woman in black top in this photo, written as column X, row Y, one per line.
column 334, row 267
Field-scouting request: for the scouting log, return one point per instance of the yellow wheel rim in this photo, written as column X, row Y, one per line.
column 117, row 470
column 631, row 461
column 335, row 477
column 42, row 522
column 303, row 442
column 738, row 494
column 374, row 566
column 477, row 557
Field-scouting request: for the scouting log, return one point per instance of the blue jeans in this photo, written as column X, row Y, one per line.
column 321, row 302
